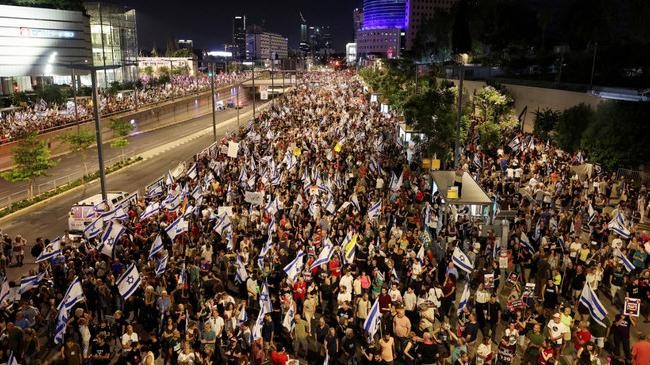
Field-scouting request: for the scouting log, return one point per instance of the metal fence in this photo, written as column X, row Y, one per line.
column 635, row 176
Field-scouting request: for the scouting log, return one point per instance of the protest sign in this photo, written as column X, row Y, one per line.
column 632, row 307
column 254, row 197
column 233, row 149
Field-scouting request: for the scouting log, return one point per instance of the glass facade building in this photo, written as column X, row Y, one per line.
column 114, row 38
column 383, row 14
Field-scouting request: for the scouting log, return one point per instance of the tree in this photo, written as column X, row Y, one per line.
column 492, row 105
column 80, row 143
column 121, row 129
column 619, row 135
column 148, row 71
column 32, row 159
column 163, row 71
column 545, row 122
column 572, row 123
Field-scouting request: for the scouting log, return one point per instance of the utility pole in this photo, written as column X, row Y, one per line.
column 214, row 114
column 460, row 112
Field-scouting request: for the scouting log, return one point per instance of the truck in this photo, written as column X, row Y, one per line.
column 87, row 210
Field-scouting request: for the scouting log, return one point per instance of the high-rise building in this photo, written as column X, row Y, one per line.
column 320, row 40
column 417, row 11
column 357, row 22
column 114, row 36
column 384, row 24
column 239, row 36
column 185, row 44
column 262, row 45
column 304, row 35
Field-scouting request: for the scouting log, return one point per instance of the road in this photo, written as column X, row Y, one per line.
column 49, row 219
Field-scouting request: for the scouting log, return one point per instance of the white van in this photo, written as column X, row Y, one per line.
column 85, row 211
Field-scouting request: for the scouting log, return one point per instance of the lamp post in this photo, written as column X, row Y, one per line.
column 214, row 112
column 98, row 131
column 461, row 70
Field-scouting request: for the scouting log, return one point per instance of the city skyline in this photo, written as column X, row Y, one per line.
column 210, row 25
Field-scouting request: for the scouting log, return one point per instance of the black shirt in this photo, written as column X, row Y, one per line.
column 101, row 350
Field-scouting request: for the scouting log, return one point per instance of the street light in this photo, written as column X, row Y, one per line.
column 462, row 60
column 98, row 131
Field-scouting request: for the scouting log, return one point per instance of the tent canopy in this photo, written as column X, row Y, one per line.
column 471, row 193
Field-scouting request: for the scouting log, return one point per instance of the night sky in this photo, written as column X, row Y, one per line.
column 209, row 23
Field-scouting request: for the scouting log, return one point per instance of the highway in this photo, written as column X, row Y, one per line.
column 49, row 219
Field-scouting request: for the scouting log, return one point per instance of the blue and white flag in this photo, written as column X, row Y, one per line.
column 477, row 161
column 241, row 275
column 396, row 184
column 329, row 204
column 464, row 299
column 371, row 324
column 95, row 228
column 514, row 144
column 169, row 180
column 156, row 246
column 28, row 283
column 177, row 227
column 272, row 225
column 525, row 241
column 150, row 210
column 263, row 252
column 129, row 282
column 592, row 213
column 243, row 176
column 173, row 201
column 313, row 208
column 273, row 206
column 375, row 210
column 324, row 256
column 294, row 268
column 589, row 299
column 420, row 254
column 111, row 236
column 617, row 227
column 61, row 325
column 289, row 321
column 73, row 295
column 5, row 291
column 265, row 300
column 462, row 261
column 192, row 172
column 197, row 193
column 242, row 317
column 12, row 359
column 256, row 331
column 223, row 224
column 117, row 213
column 162, row 265
column 154, row 191
column 50, row 251
column 629, row 266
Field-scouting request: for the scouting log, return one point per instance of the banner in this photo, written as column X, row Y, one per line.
column 254, row 197
column 264, row 92
column 227, row 210
column 488, row 281
column 233, row 149
column 632, row 307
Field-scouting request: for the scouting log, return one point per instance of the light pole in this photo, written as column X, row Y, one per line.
column 254, row 92
column 98, row 131
column 214, row 114
column 461, row 75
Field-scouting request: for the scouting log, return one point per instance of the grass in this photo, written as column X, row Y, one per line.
column 22, row 204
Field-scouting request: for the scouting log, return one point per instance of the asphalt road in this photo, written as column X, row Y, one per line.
column 49, row 219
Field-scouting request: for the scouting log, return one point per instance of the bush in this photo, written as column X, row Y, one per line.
column 545, row 121
column 52, row 94
column 571, row 125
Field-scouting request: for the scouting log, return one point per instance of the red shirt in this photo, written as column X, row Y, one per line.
column 335, row 267
column 582, row 337
column 279, row 358
column 384, row 302
column 299, row 290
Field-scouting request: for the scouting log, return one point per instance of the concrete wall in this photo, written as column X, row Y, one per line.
column 145, row 119
column 537, row 98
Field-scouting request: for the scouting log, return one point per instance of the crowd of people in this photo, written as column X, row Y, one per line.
column 309, row 236
column 42, row 116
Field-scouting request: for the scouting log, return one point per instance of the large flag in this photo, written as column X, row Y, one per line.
column 12, row 359
column 162, row 265
column 50, row 251
column 177, row 227
column 329, row 204
column 241, row 275
column 263, row 252
column 514, row 144
column 72, row 296
column 61, row 324
column 589, row 299
column 349, row 248
column 525, row 241
column 371, row 324
column 154, row 191
column 95, row 228
column 156, row 246
column 629, row 266
column 111, row 234
column 117, row 213
column 324, row 256
column 462, row 261
column 28, row 283
column 192, row 172
column 395, row 183
column 150, row 210
column 265, row 300
column 129, row 282
column 617, row 226
column 592, row 213
column 173, row 201
column 464, row 300
column 256, row 332
column 289, row 322
column 5, row 291
column 294, row 268
column 223, row 224
column 375, row 210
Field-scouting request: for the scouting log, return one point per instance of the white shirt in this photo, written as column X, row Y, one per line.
column 574, row 248
column 129, row 339
column 410, row 301
column 557, row 330
column 344, row 297
column 346, row 281
column 395, row 295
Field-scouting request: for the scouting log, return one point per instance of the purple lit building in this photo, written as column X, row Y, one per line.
column 384, row 23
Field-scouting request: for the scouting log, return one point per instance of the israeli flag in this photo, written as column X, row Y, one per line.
column 592, row 213
column 197, row 193
column 111, row 235
column 329, row 204
column 28, row 283
column 375, row 210
column 173, row 202
column 477, row 161
column 525, row 241
column 156, row 246
column 462, row 261
column 256, row 332
column 355, row 201
column 514, row 144
column 273, row 206
column 242, row 317
column 263, row 252
column 294, row 268
column 464, row 299
column 618, row 228
column 428, row 215
column 243, row 176
column 95, row 228
column 154, row 192
column 12, row 360
column 313, row 208
column 50, row 251
column 223, row 224
column 420, row 254
column 324, row 256
column 371, row 324
column 129, row 282
column 289, row 322
column 396, row 184
column 117, row 213
column 150, row 210
column 589, row 299
column 5, row 291
column 169, row 180
column 192, row 172
column 162, row 265
column 177, row 227
column 241, row 275
column 629, row 266
column 265, row 300
column 272, row 226
column 61, row 324
column 72, row 296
